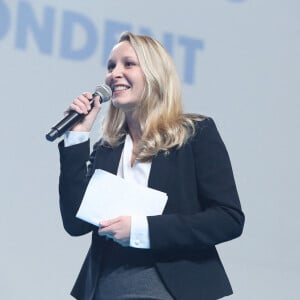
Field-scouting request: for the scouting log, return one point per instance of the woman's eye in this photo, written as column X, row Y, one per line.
column 130, row 63
column 110, row 66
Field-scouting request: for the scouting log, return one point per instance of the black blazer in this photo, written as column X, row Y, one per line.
column 202, row 210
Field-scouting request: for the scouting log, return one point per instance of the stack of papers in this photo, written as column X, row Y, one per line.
column 109, row 196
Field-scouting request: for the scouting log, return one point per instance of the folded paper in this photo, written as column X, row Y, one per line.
column 109, row 196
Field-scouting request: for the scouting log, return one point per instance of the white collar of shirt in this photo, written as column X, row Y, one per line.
column 139, row 172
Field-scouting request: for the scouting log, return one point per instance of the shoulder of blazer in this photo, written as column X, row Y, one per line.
column 205, row 130
column 200, row 125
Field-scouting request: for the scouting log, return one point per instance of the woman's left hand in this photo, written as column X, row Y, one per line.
column 117, row 229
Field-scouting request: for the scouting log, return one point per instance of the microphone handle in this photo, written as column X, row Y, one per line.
column 67, row 122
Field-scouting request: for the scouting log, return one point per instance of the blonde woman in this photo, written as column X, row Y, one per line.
column 146, row 138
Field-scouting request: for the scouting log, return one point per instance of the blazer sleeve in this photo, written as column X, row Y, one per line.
column 76, row 168
column 221, row 218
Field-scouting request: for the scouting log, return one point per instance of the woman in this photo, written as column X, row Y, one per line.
column 146, row 138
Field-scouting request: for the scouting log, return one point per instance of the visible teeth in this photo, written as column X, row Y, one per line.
column 120, row 88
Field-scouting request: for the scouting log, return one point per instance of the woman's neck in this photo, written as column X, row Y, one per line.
column 135, row 132
column 134, row 128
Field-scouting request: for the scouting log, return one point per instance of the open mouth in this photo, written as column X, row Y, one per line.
column 118, row 88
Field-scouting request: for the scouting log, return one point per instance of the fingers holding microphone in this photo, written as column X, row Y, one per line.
column 82, row 113
column 90, row 109
column 82, row 104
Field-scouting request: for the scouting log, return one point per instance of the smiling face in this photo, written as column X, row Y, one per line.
column 125, row 77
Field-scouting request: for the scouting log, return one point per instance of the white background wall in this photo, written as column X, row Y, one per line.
column 246, row 78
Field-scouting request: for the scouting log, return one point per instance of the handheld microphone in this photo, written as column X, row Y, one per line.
column 74, row 117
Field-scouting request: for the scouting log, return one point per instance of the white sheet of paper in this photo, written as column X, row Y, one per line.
column 109, row 196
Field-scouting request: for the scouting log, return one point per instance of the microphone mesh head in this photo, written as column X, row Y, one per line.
column 104, row 91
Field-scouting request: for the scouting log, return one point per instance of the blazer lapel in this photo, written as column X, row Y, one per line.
column 160, row 172
column 108, row 158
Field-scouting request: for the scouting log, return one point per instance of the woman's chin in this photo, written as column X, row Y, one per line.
column 124, row 105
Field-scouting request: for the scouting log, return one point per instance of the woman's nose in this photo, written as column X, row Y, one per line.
column 117, row 71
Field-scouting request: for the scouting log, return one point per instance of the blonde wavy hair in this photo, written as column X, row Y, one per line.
column 160, row 114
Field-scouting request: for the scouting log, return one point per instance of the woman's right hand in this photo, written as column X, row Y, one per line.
column 82, row 105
